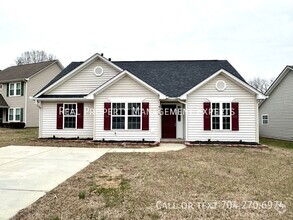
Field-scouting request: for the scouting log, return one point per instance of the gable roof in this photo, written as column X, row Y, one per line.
column 241, row 83
column 120, row 76
column 64, row 72
column 3, row 103
column 174, row 78
column 25, row 71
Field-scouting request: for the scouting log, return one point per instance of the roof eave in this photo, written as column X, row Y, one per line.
column 258, row 94
column 97, row 55
column 117, row 78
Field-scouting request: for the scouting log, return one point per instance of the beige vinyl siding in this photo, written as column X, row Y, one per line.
column 49, row 116
column 279, row 107
column 247, row 113
column 13, row 101
column 85, row 80
column 35, row 84
column 127, row 89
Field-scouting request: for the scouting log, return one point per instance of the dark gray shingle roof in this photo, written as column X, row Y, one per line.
column 174, row 78
column 3, row 103
column 22, row 71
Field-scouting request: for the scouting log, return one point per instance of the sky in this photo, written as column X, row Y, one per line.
column 255, row 36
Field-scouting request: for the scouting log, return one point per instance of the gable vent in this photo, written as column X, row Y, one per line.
column 221, row 85
column 98, row 71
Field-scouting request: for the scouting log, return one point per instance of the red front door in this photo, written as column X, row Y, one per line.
column 169, row 121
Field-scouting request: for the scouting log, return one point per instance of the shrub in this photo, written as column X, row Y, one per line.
column 16, row 125
column 81, row 195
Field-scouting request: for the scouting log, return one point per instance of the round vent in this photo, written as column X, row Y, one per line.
column 1, row 86
column 221, row 85
column 98, row 71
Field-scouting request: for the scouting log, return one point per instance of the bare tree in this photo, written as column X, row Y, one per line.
column 34, row 56
column 261, row 84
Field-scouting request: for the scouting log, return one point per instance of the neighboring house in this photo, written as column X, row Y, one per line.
column 143, row 101
column 18, row 84
column 276, row 112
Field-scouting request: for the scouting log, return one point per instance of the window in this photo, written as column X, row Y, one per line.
column 226, row 110
column 118, row 116
column 221, row 116
column 15, row 89
column 11, row 114
column 11, row 89
column 126, row 119
column 70, row 115
column 14, row 115
column 134, row 113
column 215, row 115
column 265, row 119
column 18, row 89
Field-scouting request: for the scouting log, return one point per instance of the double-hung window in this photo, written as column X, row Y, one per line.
column 126, row 115
column 215, row 116
column 70, row 115
column 15, row 89
column 118, row 115
column 134, row 115
column 14, row 114
column 221, row 116
column 265, row 119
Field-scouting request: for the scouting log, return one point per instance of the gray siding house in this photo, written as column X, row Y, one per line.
column 18, row 84
column 276, row 112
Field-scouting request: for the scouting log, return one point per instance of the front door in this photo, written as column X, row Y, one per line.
column 169, row 121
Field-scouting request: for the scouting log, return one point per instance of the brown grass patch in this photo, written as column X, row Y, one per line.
column 131, row 185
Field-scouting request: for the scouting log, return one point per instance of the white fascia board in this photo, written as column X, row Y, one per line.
column 80, row 67
column 117, row 78
column 58, row 99
column 233, row 78
column 46, row 67
column 279, row 79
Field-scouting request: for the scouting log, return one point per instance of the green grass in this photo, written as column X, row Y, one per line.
column 276, row 143
column 17, row 136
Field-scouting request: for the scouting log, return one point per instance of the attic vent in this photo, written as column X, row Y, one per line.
column 1, row 86
column 221, row 85
column 98, row 71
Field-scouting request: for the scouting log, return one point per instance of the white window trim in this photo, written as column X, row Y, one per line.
column 70, row 116
column 221, row 116
column 14, row 89
column 262, row 119
column 126, row 116
column 14, row 115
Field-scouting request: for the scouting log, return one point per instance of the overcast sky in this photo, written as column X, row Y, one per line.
column 256, row 37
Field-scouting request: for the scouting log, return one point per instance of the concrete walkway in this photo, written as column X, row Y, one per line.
column 27, row 173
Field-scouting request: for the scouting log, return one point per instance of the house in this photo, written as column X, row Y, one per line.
column 276, row 112
column 149, row 101
column 18, row 84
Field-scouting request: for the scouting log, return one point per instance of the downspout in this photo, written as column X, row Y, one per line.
column 25, row 102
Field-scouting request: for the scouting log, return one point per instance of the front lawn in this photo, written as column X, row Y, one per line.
column 194, row 183
column 276, row 143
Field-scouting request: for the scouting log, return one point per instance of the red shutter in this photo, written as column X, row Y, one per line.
column 206, row 116
column 145, row 116
column 59, row 123
column 79, row 115
column 107, row 116
column 235, row 116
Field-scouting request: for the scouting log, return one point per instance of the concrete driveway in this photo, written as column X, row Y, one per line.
column 27, row 173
